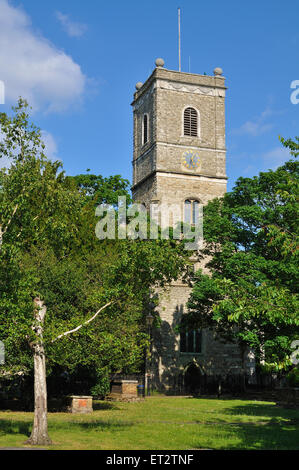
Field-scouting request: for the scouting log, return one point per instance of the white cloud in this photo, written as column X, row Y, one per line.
column 270, row 160
column 72, row 28
column 276, row 157
column 32, row 67
column 254, row 128
column 257, row 126
column 50, row 145
column 50, row 150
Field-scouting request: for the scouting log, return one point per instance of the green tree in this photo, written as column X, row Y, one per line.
column 67, row 298
column 251, row 244
column 99, row 190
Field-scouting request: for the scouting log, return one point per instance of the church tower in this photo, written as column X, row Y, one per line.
column 179, row 159
column 179, row 137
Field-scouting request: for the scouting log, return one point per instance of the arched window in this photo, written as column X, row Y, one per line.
column 191, row 211
column 145, row 129
column 190, row 122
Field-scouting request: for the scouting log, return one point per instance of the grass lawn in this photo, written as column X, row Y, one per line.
column 164, row 423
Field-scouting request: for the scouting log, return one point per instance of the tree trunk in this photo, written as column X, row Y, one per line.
column 39, row 435
column 219, row 388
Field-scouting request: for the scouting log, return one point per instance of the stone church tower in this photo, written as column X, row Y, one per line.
column 179, row 159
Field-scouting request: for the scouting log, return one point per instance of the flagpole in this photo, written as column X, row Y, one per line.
column 179, row 26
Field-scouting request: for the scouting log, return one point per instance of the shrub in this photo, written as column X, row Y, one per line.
column 293, row 377
column 101, row 388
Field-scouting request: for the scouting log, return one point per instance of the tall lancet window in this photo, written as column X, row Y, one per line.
column 191, row 211
column 190, row 122
column 145, row 129
column 190, row 340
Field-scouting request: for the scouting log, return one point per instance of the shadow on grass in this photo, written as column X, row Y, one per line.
column 93, row 425
column 260, row 437
column 22, row 427
column 255, row 408
column 14, row 427
column 265, row 410
column 104, row 405
column 281, row 432
column 224, row 397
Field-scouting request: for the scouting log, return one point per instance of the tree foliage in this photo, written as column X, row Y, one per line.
column 101, row 190
column 78, row 300
column 251, row 240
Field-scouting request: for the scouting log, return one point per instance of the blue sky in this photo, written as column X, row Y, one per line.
column 77, row 62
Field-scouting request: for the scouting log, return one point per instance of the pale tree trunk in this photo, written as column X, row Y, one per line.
column 39, row 435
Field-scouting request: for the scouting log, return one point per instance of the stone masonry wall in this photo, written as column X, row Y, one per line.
column 159, row 175
column 169, row 364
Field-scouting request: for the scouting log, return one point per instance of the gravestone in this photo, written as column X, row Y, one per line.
column 79, row 404
column 124, row 390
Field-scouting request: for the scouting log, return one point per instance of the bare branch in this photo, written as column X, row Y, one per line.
column 83, row 324
column 3, row 232
column 9, row 222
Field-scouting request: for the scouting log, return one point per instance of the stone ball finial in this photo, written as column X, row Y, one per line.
column 159, row 62
column 138, row 85
column 218, row 71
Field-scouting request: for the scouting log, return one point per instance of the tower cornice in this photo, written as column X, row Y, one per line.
column 203, row 84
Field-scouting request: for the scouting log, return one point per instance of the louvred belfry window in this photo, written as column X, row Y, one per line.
column 190, row 122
